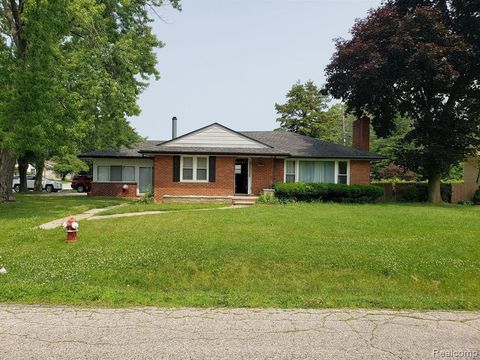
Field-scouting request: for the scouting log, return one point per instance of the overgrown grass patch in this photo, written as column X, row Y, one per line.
column 298, row 255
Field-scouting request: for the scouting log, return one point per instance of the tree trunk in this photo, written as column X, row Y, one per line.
column 7, row 168
column 434, row 193
column 39, row 166
column 22, row 170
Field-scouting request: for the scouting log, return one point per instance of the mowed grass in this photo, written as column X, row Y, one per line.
column 137, row 206
column 301, row 255
column 18, row 218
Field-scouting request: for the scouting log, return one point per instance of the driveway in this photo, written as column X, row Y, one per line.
column 34, row 332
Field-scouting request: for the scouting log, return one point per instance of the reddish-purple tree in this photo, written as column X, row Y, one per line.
column 419, row 59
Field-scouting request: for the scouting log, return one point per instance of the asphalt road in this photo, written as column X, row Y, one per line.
column 34, row 332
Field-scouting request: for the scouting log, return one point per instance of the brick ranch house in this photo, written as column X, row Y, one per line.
column 215, row 162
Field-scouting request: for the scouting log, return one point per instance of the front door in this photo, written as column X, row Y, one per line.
column 241, row 176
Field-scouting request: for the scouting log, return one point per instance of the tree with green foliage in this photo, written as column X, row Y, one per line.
column 306, row 112
column 342, row 124
column 390, row 146
column 68, row 164
column 71, row 73
column 419, row 59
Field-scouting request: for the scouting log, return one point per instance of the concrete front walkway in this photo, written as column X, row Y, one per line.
column 35, row 332
column 157, row 212
column 87, row 214
column 92, row 215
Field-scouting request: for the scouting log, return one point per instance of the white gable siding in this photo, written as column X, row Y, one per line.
column 216, row 136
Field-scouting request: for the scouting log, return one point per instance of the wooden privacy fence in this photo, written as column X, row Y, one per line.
column 453, row 193
column 462, row 192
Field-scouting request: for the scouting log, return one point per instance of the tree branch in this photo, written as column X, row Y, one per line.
column 14, row 10
column 13, row 13
column 460, row 83
column 7, row 13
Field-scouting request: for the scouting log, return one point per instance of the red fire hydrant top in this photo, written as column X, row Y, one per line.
column 71, row 226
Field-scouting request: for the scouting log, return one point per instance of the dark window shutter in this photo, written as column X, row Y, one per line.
column 176, row 168
column 211, row 168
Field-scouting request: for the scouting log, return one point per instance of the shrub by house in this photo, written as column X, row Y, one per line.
column 328, row 192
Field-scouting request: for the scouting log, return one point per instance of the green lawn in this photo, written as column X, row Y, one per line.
column 301, row 255
column 136, row 206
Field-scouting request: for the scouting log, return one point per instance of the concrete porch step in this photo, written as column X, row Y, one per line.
column 244, row 200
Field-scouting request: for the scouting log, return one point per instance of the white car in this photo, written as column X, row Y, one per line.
column 47, row 184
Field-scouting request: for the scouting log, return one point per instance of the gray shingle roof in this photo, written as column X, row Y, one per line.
column 216, row 151
column 124, row 152
column 283, row 143
column 303, row 146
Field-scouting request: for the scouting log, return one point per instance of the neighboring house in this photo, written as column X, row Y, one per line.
column 48, row 172
column 218, row 162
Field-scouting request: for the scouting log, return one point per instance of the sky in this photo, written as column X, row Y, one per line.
column 230, row 61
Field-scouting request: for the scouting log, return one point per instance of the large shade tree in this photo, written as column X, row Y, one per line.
column 70, row 75
column 306, row 112
column 419, row 59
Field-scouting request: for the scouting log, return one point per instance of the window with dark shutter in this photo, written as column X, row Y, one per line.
column 176, row 168
column 211, row 168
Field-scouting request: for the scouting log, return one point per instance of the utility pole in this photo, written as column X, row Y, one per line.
column 344, row 137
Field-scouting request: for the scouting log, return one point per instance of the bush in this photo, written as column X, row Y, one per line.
column 412, row 193
column 147, row 197
column 476, row 197
column 327, row 192
column 393, row 171
column 267, row 199
column 418, row 192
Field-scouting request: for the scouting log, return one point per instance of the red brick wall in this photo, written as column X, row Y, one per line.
column 279, row 170
column 359, row 172
column 164, row 184
column 113, row 189
column 265, row 173
column 361, row 134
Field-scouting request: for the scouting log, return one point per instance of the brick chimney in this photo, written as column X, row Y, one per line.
column 361, row 134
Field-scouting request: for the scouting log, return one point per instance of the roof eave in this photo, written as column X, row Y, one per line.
column 85, row 156
column 337, row 157
column 206, row 152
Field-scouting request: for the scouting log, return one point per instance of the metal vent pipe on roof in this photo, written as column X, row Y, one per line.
column 174, row 127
